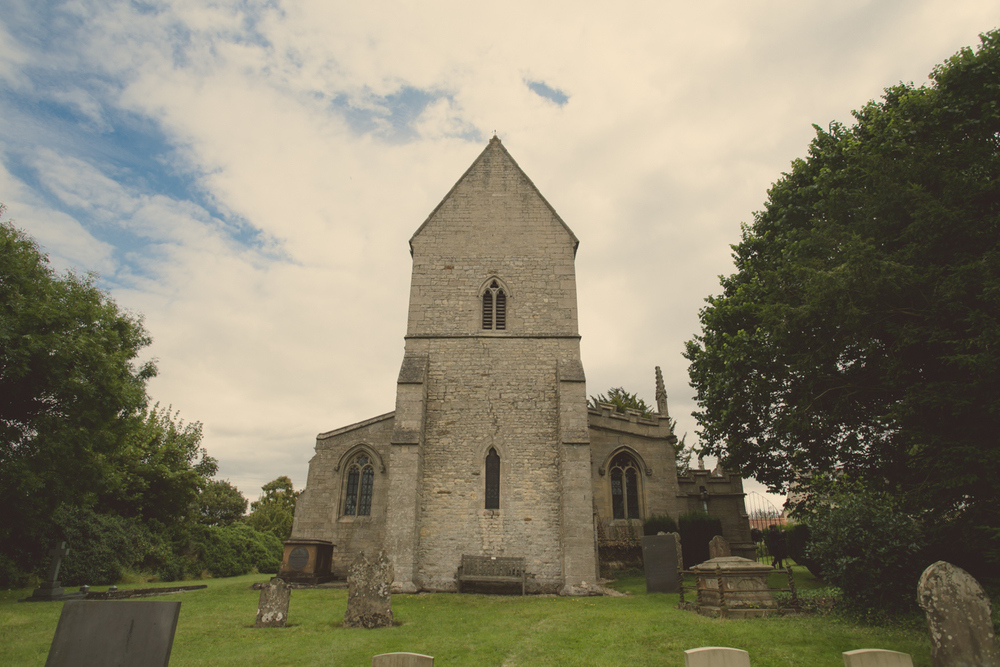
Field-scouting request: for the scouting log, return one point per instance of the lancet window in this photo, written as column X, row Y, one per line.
column 492, row 480
column 625, row 487
column 360, row 483
column 494, row 307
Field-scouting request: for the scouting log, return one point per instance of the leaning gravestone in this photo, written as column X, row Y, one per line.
column 272, row 609
column 369, row 600
column 659, row 561
column 95, row 633
column 680, row 551
column 958, row 618
column 718, row 548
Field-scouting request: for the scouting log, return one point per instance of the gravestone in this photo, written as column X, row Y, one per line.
column 95, row 633
column 272, row 608
column 52, row 589
column 876, row 657
column 659, row 561
column 718, row 547
column 716, row 656
column 369, row 600
column 958, row 618
column 680, row 551
column 403, row 660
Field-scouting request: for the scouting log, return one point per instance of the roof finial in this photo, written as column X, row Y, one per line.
column 661, row 395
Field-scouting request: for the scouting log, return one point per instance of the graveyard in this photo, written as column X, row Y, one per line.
column 216, row 627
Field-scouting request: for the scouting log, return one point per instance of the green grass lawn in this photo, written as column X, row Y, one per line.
column 216, row 628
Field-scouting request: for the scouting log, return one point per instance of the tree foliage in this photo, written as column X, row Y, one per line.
column 220, row 504
column 865, row 543
column 861, row 330
column 622, row 400
column 274, row 511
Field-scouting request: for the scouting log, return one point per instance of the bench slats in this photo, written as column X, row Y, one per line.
column 491, row 569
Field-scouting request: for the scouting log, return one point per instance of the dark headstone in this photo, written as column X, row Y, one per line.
column 124, row 634
column 659, row 560
column 958, row 618
column 369, row 601
column 51, row 589
column 272, row 609
column 718, row 547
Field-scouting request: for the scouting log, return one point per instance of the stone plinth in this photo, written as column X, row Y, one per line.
column 744, row 588
column 307, row 561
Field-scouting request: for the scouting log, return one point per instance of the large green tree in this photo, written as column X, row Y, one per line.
column 70, row 380
column 861, row 330
column 75, row 429
column 274, row 511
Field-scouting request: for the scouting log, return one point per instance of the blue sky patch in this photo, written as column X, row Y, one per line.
column 551, row 94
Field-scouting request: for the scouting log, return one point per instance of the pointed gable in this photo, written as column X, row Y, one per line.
column 493, row 174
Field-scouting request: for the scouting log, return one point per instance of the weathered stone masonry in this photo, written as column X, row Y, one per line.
column 485, row 373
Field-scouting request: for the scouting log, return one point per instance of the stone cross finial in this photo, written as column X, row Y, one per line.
column 56, row 553
column 661, row 394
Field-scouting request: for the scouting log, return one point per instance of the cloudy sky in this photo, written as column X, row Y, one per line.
column 247, row 173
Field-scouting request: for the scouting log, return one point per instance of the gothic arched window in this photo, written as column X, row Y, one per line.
column 494, row 307
column 625, row 487
column 492, row 480
column 360, row 480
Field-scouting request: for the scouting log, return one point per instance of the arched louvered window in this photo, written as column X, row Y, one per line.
column 492, row 480
column 360, row 483
column 625, row 487
column 494, row 307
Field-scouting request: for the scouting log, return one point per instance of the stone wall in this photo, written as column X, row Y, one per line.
column 319, row 512
column 651, row 443
column 725, row 501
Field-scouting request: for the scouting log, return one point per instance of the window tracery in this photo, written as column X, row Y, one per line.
column 494, row 307
column 625, row 487
column 360, row 485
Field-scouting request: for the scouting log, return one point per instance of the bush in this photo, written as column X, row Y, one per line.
column 229, row 551
column 659, row 524
column 868, row 547
column 797, row 538
column 102, row 546
column 697, row 529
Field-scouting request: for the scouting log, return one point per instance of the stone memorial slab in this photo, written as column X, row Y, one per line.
column 402, row 660
column 272, row 608
column 659, row 561
column 876, row 657
column 958, row 618
column 680, row 551
column 718, row 547
column 716, row 656
column 369, row 600
column 95, row 633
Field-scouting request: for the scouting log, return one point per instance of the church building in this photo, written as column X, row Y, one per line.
column 492, row 449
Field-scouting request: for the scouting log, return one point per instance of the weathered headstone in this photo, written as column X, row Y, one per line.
column 958, row 618
column 272, row 608
column 369, row 600
column 876, row 657
column 659, row 561
column 51, row 589
column 125, row 634
column 680, row 551
column 718, row 547
column 403, row 660
column 716, row 656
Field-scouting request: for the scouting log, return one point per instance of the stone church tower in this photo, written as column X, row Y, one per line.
column 489, row 449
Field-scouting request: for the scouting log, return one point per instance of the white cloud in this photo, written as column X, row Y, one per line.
column 679, row 117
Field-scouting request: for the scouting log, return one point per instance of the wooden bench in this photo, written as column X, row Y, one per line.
column 491, row 569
